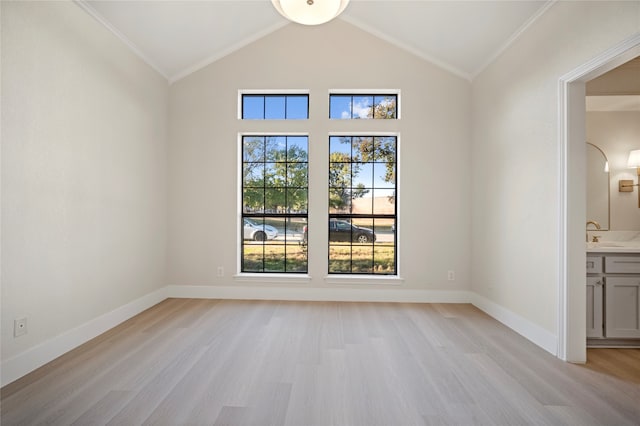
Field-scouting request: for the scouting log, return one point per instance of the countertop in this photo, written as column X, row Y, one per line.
column 614, row 242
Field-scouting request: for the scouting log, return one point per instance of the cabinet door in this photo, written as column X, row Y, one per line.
column 622, row 309
column 595, row 306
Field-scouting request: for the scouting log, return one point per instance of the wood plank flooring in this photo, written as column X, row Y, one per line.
column 222, row 362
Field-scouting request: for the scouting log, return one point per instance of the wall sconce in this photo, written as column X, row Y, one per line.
column 626, row 185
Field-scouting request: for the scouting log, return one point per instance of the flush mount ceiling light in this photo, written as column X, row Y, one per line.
column 310, row 12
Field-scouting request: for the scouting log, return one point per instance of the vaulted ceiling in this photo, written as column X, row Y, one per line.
column 179, row 37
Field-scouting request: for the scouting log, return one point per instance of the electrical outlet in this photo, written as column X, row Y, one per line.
column 220, row 271
column 19, row 327
column 451, row 275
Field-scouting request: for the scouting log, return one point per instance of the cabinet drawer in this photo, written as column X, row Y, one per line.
column 622, row 264
column 594, row 264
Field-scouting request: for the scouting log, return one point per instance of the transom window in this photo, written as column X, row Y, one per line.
column 363, row 106
column 274, row 203
column 275, row 107
column 362, row 205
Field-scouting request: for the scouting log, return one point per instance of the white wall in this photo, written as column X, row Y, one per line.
column 516, row 156
column 617, row 133
column 83, row 173
column 434, row 152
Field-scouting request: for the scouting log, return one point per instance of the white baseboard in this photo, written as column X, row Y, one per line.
column 533, row 332
column 325, row 294
column 22, row 364
column 25, row 362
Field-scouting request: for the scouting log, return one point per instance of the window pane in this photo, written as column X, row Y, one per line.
column 340, row 107
column 339, row 200
column 385, row 149
column 297, row 201
column 362, row 175
column 296, row 258
column 385, row 107
column 252, row 107
column 274, row 258
column 253, row 174
column 253, row 148
column 297, row 175
column 297, row 149
column 274, row 201
column 274, row 107
column 292, row 230
column 253, row 200
column 339, row 259
column 339, row 175
column 362, row 205
column 362, row 148
column 339, row 148
column 297, row 107
column 384, row 175
column 252, row 258
column 276, row 174
column 276, row 148
column 362, row 107
column 384, row 202
column 384, row 259
column 362, row 259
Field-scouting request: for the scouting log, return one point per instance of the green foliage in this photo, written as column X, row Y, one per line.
column 274, row 175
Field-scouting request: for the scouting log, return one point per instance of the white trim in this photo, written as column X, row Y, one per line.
column 381, row 35
column 272, row 278
column 22, row 364
column 531, row 331
column 37, row 356
column 562, row 220
column 356, row 279
column 611, row 58
column 86, row 6
column 320, row 294
column 512, row 39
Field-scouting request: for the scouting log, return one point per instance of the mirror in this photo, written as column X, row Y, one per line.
column 597, row 186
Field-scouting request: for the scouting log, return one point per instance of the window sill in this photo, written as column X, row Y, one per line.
column 367, row 280
column 273, row 278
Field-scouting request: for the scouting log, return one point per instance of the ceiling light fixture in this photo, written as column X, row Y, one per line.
column 310, row 12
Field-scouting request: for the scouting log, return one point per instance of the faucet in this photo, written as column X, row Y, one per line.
column 594, row 223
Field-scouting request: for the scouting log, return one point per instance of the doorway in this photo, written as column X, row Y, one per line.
column 572, row 186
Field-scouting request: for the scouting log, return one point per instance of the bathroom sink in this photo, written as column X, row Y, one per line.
column 615, row 246
column 608, row 244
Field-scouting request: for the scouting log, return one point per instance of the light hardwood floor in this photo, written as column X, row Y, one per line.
column 322, row 363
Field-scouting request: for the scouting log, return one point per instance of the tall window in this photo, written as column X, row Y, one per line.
column 274, row 203
column 362, row 205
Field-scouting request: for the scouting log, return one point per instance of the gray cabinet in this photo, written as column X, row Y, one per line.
column 613, row 296
column 595, row 306
column 622, row 307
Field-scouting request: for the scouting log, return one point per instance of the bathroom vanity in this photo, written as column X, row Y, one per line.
column 613, row 294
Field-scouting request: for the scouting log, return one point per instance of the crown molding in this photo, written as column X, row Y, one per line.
column 229, row 50
column 515, row 36
column 84, row 5
column 432, row 59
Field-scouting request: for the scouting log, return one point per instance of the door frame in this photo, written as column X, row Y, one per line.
column 572, row 215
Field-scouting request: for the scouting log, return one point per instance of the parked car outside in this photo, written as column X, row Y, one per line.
column 341, row 230
column 258, row 232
